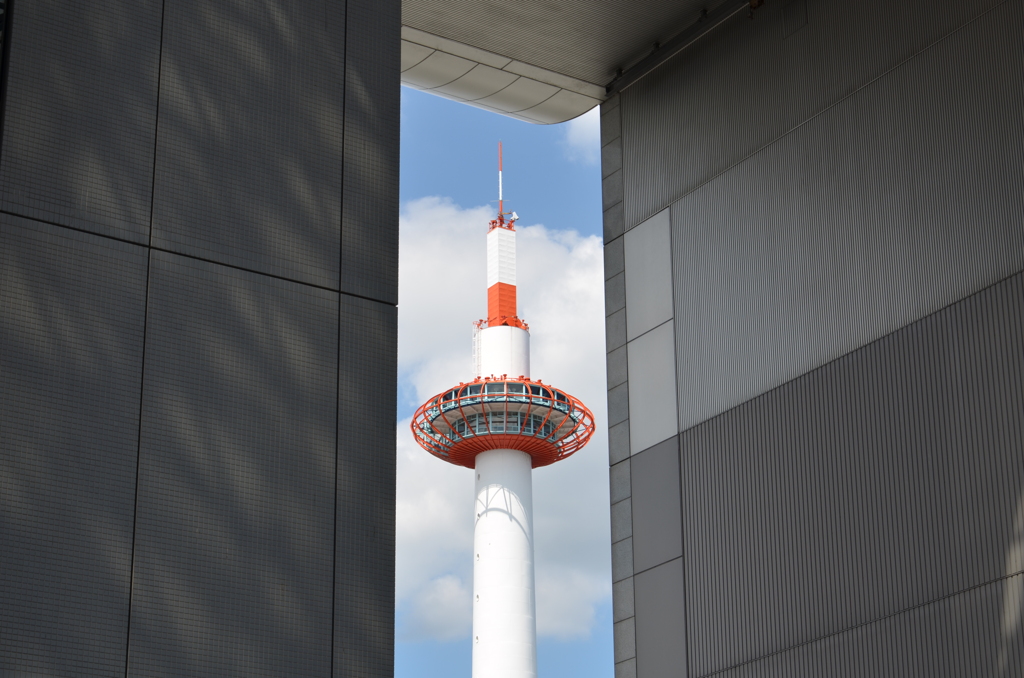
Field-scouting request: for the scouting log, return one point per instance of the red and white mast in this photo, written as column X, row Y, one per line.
column 503, row 424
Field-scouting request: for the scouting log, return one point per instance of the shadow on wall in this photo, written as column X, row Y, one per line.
column 71, row 334
column 249, row 139
column 234, row 515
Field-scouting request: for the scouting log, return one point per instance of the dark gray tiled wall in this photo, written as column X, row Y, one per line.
column 365, row 552
column 369, row 238
column 71, row 342
column 888, row 479
column 254, row 540
column 234, row 552
column 80, row 115
column 249, row 143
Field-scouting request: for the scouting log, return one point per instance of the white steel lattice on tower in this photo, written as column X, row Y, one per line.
column 503, row 424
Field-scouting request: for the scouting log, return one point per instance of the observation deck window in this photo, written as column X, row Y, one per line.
column 472, row 389
column 450, row 395
column 561, row 397
column 539, row 391
column 516, row 388
column 495, row 387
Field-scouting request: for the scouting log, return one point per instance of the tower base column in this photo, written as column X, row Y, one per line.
column 504, row 607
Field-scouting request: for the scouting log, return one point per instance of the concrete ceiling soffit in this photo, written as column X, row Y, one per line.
column 490, row 81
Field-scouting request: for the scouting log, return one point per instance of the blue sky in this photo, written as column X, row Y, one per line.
column 448, row 191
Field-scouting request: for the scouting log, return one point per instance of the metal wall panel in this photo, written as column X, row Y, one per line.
column 747, row 84
column 249, row 142
column 234, row 560
column 887, row 479
column 652, row 389
column 975, row 633
column 369, row 234
column 901, row 199
column 661, row 622
column 71, row 335
column 657, row 530
column 80, row 114
column 648, row 275
column 365, row 537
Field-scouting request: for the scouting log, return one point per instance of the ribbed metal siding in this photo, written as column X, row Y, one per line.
column 746, row 84
column 965, row 636
column 885, row 480
column 899, row 200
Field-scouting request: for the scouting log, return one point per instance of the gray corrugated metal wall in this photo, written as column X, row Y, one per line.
column 891, row 204
column 196, row 464
column 885, row 480
column 846, row 184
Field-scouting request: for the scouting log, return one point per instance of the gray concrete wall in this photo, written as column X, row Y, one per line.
column 812, row 221
column 196, row 412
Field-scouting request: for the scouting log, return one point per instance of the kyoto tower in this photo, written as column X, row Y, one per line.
column 503, row 424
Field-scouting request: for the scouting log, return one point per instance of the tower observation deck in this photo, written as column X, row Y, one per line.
column 503, row 424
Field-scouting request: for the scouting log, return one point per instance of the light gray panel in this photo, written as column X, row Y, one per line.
column 614, row 262
column 652, row 388
column 618, row 442
column 622, row 595
column 657, row 531
column 622, row 521
column 616, row 366
column 661, row 622
column 900, row 200
column 619, row 483
column 618, row 404
column 648, row 263
column 888, row 479
column 625, row 639
column 622, row 559
column 615, row 294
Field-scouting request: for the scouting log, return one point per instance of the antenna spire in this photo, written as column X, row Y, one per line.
column 501, row 205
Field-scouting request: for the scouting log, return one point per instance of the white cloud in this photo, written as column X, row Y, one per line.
column 583, row 138
column 442, row 290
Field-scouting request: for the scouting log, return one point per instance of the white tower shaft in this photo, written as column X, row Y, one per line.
column 504, row 607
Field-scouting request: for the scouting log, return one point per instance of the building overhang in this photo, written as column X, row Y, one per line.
column 542, row 62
